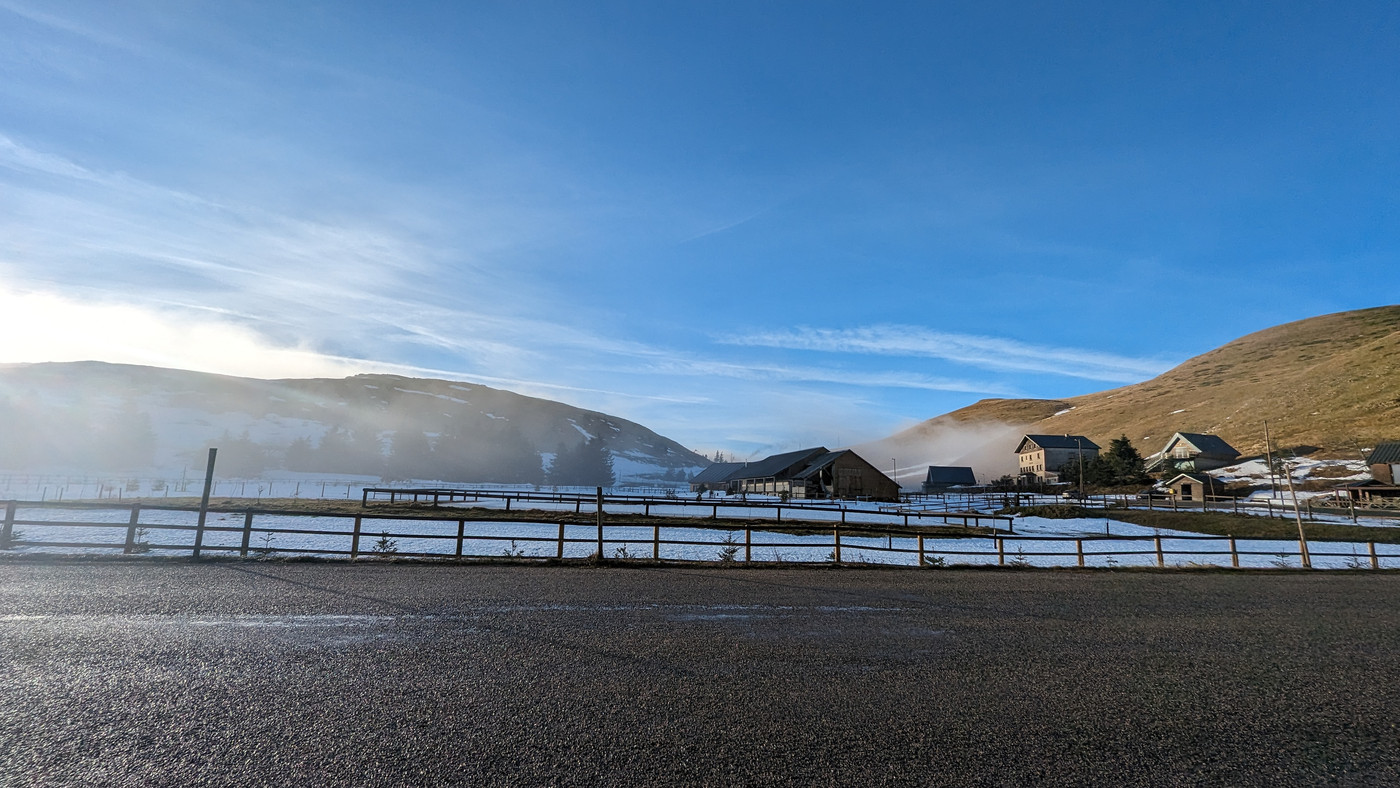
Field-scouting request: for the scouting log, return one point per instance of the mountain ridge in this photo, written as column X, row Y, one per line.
column 52, row 410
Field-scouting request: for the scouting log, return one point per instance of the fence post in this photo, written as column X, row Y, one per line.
column 247, row 534
column 1079, row 551
column 1001, row 551
column 131, row 528
column 461, row 535
column 1234, row 556
column 780, row 514
column 1375, row 559
column 204, row 503
column 355, row 539
column 600, row 523
column 921, row 545
column 560, row 554
column 1303, row 554
column 656, row 542
column 836, row 532
column 748, row 545
column 1161, row 562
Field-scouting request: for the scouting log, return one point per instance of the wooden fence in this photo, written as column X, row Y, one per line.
column 449, row 495
column 1008, row 550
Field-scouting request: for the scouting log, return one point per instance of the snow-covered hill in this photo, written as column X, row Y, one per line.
column 89, row 416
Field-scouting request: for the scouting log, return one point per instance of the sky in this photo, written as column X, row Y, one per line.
column 749, row 226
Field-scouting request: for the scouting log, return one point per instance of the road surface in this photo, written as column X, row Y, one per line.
column 260, row 673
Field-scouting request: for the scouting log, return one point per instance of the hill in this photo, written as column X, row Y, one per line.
column 1328, row 386
column 90, row 416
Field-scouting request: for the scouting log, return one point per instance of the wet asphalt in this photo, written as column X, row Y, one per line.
column 250, row 673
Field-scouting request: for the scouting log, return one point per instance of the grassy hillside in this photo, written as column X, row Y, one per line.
column 1329, row 383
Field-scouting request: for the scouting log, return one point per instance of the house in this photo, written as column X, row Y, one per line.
column 1194, row 451
column 1385, row 462
column 1192, row 487
column 813, row 473
column 715, row 477
column 942, row 477
column 1043, row 456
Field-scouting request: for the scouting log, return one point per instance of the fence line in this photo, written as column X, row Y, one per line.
column 728, row 548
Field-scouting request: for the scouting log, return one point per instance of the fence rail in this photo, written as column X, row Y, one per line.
column 723, row 543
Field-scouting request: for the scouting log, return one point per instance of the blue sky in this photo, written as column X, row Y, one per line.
column 749, row 226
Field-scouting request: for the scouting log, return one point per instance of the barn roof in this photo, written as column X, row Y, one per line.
column 1384, row 453
column 716, row 472
column 776, row 465
column 950, row 474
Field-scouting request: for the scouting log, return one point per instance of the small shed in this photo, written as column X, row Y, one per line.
column 941, row 478
column 1385, row 462
column 1192, row 487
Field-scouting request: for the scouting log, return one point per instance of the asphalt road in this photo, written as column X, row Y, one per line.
column 226, row 673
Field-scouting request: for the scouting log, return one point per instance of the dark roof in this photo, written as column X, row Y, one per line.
column 1058, row 442
column 1384, row 453
column 776, row 465
column 717, row 472
column 950, row 474
column 1206, row 444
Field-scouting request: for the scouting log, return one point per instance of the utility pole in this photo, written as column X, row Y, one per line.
column 1269, row 453
column 1079, row 442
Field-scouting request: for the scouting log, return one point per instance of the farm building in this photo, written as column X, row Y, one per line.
column 772, row 475
column 811, row 473
column 714, row 477
column 940, row 478
column 1043, row 456
column 1194, row 451
column 1385, row 462
column 1192, row 487
column 843, row 474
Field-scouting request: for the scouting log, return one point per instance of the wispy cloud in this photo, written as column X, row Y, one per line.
column 825, row 375
column 992, row 353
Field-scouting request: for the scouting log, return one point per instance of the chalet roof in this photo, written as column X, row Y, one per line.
column 777, row 465
column 1212, row 445
column 716, row 472
column 1384, row 453
column 1056, row 442
column 1198, row 478
column 950, row 474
